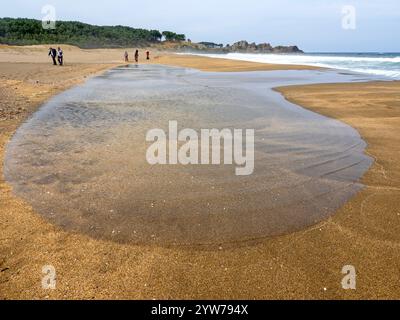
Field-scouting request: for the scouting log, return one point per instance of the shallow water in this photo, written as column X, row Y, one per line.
column 80, row 160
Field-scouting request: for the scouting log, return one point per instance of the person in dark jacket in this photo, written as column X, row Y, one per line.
column 137, row 56
column 53, row 54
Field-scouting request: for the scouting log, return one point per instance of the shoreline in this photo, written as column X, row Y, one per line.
column 208, row 64
column 291, row 266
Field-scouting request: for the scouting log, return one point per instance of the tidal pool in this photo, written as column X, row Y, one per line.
column 80, row 160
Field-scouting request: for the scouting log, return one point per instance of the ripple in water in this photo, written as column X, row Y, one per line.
column 80, row 160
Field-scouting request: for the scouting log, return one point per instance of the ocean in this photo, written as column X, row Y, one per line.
column 381, row 64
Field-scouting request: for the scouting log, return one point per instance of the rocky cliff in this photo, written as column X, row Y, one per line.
column 241, row 47
column 244, row 46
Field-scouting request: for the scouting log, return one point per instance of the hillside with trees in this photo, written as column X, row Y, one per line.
column 30, row 32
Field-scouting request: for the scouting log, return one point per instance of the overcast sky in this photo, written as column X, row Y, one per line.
column 313, row 25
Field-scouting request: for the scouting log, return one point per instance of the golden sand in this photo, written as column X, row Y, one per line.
column 223, row 65
column 307, row 264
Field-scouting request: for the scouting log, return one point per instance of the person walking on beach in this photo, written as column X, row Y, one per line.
column 60, row 56
column 137, row 56
column 53, row 54
column 126, row 55
column 148, row 55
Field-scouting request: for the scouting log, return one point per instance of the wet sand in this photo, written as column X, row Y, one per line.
column 306, row 264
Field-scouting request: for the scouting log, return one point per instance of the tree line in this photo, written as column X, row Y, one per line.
column 30, row 32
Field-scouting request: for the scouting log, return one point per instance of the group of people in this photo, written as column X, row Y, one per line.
column 57, row 55
column 126, row 55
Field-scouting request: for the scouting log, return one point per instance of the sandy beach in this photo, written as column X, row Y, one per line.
column 223, row 65
column 302, row 265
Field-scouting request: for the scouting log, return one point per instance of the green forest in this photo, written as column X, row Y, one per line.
column 30, row 32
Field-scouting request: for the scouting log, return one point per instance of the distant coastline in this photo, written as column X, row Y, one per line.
column 22, row 31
